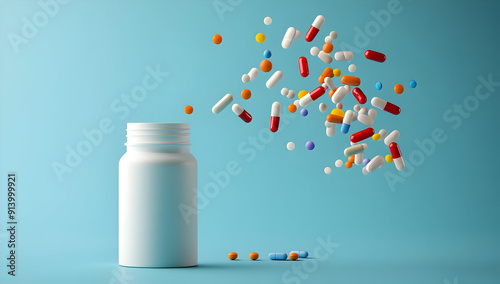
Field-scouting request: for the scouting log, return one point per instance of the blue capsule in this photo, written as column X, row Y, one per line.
column 413, row 83
column 278, row 256
column 267, row 53
column 345, row 128
column 378, row 86
column 301, row 253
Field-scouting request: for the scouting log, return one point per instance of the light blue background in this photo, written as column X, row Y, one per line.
column 441, row 224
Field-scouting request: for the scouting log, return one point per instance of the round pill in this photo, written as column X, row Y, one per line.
column 322, row 107
column 246, row 94
column 413, row 84
column 188, row 109
column 260, row 37
column 267, row 53
column 245, row 78
column 304, row 112
column 336, row 72
column 378, row 86
column 399, row 89
column 253, row 256
column 327, row 47
column 268, row 21
column 348, row 165
column 232, row 255
column 328, row 170
column 266, row 65
column 339, row 163
column 334, row 34
column 356, row 108
column 352, row 68
column 290, row 146
column 340, row 106
column 217, row 39
column 314, row 51
column 293, row 256
column 309, row 145
column 388, row 158
column 366, row 161
column 328, row 39
column 292, row 108
column 302, row 93
column 376, row 137
column 284, row 91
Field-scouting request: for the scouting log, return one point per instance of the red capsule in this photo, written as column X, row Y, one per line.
column 359, row 95
column 316, row 93
column 314, row 29
column 375, row 56
column 242, row 113
column 362, row 135
column 303, row 67
column 275, row 116
column 395, row 152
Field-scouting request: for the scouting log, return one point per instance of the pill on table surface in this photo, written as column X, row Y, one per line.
column 315, row 27
column 322, row 107
column 385, row 105
column 340, row 93
column 232, row 255
column 188, row 109
column 217, row 39
column 362, row 135
column 396, row 156
column 288, row 38
column 290, row 146
column 301, row 253
column 375, row 56
column 266, row 65
column 328, row 72
column 312, row 96
column 391, row 137
column 222, row 103
column 359, row 95
column 253, row 256
column 242, row 113
column 350, row 80
column 375, row 163
column 274, row 79
column 343, row 55
column 275, row 116
column 277, row 256
column 303, row 67
column 356, row 149
column 294, row 256
column 346, row 123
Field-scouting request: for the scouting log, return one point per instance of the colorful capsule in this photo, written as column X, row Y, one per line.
column 242, row 113
column 385, row 105
column 344, row 55
column 375, row 56
column 328, row 72
column 355, row 149
column 346, row 122
column 312, row 96
column 275, row 116
column 340, row 93
column 359, row 95
column 232, row 255
column 301, row 253
column 350, row 80
column 391, row 137
column 303, row 67
column 222, row 103
column 274, row 79
column 277, row 256
column 288, row 38
column 375, row 163
column 253, row 256
column 362, row 135
column 315, row 27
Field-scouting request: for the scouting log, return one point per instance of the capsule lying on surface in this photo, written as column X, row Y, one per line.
column 277, row 256
column 301, row 253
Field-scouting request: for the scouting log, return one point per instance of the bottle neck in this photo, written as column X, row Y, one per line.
column 159, row 148
column 158, row 137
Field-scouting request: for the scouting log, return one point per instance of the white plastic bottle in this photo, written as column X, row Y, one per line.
column 158, row 197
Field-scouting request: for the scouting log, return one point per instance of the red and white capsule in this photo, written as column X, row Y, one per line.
column 275, row 116
column 242, row 113
column 375, row 56
column 362, row 135
column 303, row 67
column 315, row 27
column 385, row 105
column 396, row 156
column 312, row 96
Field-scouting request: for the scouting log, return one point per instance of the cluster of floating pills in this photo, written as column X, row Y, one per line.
column 293, row 255
column 350, row 84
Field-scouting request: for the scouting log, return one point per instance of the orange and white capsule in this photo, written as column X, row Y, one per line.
column 242, row 113
column 396, row 156
column 275, row 116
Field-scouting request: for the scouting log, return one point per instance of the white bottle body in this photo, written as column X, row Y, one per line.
column 158, row 203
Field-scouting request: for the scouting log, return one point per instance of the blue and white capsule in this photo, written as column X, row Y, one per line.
column 278, row 256
column 348, row 119
column 301, row 253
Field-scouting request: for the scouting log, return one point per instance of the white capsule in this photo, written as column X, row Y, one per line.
column 391, row 137
column 305, row 100
column 284, row 92
column 339, row 163
column 375, row 163
column 298, row 34
column 245, row 78
column 356, row 149
column 328, row 39
column 364, row 171
column 330, row 129
column 314, row 51
column 356, row 108
column 383, row 134
column 222, row 103
column 329, row 83
column 340, row 93
column 365, row 119
column 268, row 21
column 343, row 55
column 237, row 109
column 334, row 34
column 322, row 107
column 358, row 158
column 274, row 79
column 253, row 73
column 296, row 103
column 288, row 38
column 352, row 68
column 291, row 94
column 276, row 109
column 325, row 57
